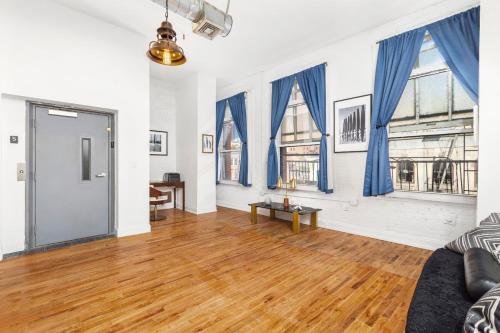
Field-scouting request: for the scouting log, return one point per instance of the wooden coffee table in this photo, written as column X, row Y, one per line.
column 273, row 207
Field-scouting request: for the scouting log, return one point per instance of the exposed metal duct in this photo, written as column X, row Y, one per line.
column 208, row 21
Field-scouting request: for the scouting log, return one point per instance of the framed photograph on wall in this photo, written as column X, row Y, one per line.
column 158, row 143
column 207, row 143
column 352, row 119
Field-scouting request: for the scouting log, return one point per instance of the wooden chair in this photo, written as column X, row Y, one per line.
column 157, row 198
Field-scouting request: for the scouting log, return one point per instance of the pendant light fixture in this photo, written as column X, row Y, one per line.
column 165, row 50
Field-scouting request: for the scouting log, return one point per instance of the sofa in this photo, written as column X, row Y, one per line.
column 440, row 302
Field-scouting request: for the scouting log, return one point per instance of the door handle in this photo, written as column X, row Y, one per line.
column 101, row 175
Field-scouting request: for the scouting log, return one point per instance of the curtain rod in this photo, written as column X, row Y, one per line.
column 323, row 63
column 426, row 24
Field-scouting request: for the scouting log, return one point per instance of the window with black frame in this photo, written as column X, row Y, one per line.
column 431, row 135
column 299, row 146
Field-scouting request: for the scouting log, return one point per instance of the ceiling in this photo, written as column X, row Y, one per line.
column 264, row 33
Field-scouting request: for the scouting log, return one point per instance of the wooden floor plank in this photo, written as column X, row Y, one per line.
column 213, row 273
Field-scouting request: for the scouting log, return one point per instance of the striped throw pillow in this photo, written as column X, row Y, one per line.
column 484, row 315
column 485, row 237
column 494, row 218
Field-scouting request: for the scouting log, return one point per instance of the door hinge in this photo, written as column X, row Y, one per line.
column 33, row 123
column 112, row 144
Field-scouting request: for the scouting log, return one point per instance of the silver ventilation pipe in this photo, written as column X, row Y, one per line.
column 208, row 21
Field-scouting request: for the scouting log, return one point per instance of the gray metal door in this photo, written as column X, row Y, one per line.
column 71, row 176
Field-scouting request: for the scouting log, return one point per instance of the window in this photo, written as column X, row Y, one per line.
column 431, row 135
column 229, row 150
column 86, row 156
column 299, row 149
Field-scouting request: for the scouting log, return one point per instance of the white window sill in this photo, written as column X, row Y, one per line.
column 310, row 189
column 299, row 189
column 314, row 193
column 229, row 182
column 434, row 197
column 309, row 192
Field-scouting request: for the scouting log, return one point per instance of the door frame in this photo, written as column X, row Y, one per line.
column 30, row 174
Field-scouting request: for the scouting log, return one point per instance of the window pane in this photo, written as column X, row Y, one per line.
column 423, row 158
column 303, row 123
column 227, row 114
column 303, row 116
column 461, row 100
column 300, row 163
column 227, row 136
column 297, row 125
column 229, row 166
column 297, row 128
column 445, row 163
column 287, row 127
column 429, row 57
column 230, row 137
column 316, row 135
column 86, row 153
column 236, row 141
column 296, row 96
column 406, row 106
column 433, row 94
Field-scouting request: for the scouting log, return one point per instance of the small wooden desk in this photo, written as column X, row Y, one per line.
column 273, row 207
column 176, row 185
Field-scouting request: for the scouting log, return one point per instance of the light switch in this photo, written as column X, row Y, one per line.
column 21, row 172
column 14, row 139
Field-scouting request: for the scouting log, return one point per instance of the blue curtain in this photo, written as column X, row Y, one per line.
column 457, row 38
column 312, row 84
column 239, row 113
column 281, row 90
column 396, row 57
column 220, row 108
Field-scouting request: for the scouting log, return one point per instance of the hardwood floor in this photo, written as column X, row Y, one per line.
column 214, row 273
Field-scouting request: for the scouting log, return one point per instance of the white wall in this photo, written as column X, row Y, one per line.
column 55, row 54
column 162, row 118
column 206, row 125
column 195, row 98
column 424, row 220
column 489, row 112
column 187, row 133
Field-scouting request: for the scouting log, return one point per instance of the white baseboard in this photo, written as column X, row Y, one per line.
column 233, row 206
column 135, row 230
column 201, row 210
column 385, row 235
column 206, row 210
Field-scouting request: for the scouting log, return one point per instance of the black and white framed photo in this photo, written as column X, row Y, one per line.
column 158, row 143
column 352, row 119
column 207, row 143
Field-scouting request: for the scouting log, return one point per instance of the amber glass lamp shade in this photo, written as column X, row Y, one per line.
column 165, row 50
